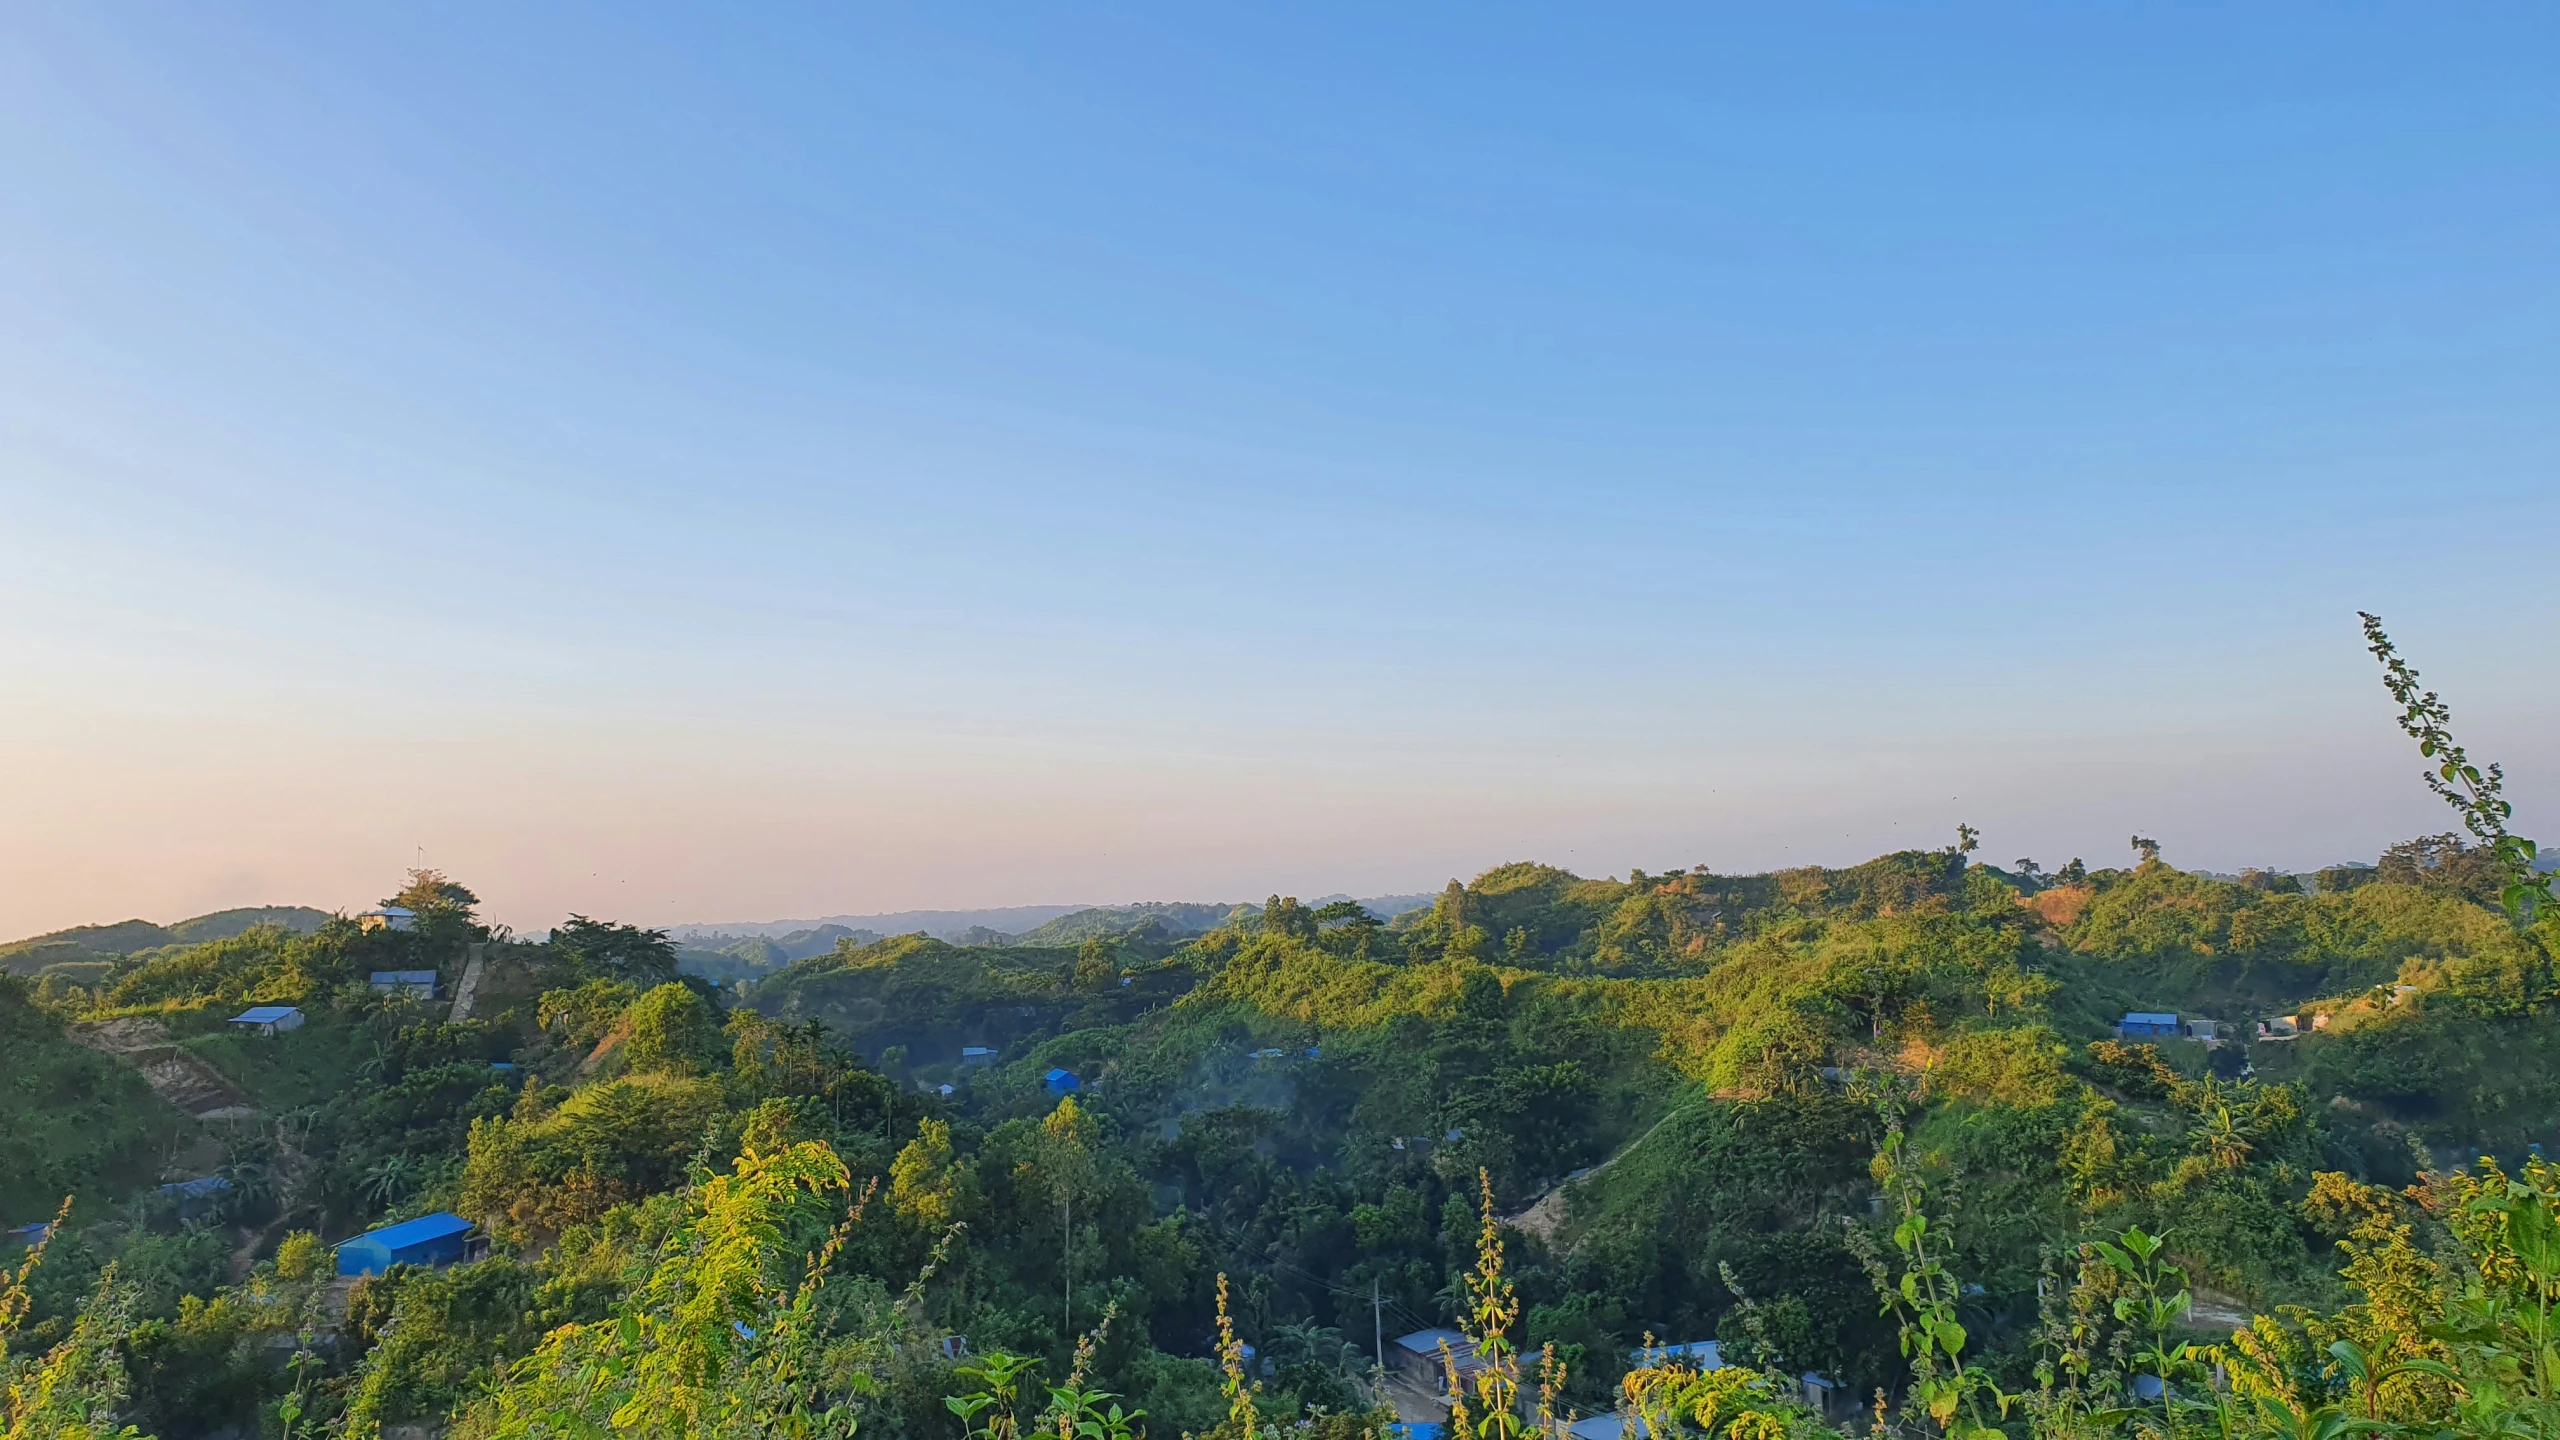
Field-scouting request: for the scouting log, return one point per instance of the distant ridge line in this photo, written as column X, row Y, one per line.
column 1007, row 919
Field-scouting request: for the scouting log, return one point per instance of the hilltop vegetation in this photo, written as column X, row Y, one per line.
column 93, row 945
column 1670, row 1081
column 1873, row 1127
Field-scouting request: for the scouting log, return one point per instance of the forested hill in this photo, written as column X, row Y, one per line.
column 1683, row 1090
column 92, row 944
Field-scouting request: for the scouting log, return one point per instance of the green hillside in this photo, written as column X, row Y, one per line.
column 1154, row 922
column 92, row 944
column 1681, row 1105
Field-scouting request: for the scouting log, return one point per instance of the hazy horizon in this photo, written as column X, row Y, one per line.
column 656, row 463
column 1035, row 912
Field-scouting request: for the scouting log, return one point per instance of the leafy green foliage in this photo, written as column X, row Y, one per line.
column 1565, row 1113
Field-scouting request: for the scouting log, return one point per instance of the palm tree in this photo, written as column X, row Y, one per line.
column 1307, row 1340
column 388, row 1180
column 2223, row 1132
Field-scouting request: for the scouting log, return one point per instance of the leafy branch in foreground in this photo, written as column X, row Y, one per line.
column 78, row 1388
column 2477, row 794
column 1944, row 1387
column 1244, row 1418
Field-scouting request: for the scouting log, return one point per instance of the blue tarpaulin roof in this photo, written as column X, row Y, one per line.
column 262, row 1014
column 1703, row 1354
column 414, row 1232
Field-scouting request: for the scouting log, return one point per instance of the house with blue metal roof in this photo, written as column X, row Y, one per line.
column 1061, row 1082
column 269, row 1019
column 194, row 1197
column 1609, row 1427
column 407, row 984
column 2149, row 1024
column 1697, row 1355
column 433, row 1240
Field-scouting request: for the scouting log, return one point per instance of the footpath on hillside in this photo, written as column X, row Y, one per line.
column 1544, row 1216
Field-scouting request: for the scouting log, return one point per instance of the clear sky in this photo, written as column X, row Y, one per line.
column 682, row 464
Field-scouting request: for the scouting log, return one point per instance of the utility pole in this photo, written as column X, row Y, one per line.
column 1067, row 1261
column 1378, row 1322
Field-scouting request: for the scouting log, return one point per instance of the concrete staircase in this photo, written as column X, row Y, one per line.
column 470, row 984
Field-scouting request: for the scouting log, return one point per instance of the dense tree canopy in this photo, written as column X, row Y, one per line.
column 721, row 1210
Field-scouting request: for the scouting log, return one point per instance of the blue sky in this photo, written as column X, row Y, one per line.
column 695, row 466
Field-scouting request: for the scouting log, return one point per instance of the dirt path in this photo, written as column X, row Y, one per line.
column 1544, row 1216
column 183, row 1080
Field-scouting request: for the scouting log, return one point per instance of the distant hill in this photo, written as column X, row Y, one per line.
column 1385, row 907
column 819, row 939
column 941, row 924
column 752, row 956
column 1011, row 924
column 1176, row 918
column 84, row 943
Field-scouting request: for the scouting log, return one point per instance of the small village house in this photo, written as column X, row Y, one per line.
column 1418, row 1357
column 269, row 1019
column 431, row 1240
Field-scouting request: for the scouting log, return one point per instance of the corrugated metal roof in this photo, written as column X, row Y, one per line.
column 414, row 1232
column 2150, row 1017
column 262, row 1014
column 1704, row 1354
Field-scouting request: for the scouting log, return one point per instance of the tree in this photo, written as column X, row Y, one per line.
column 2444, row 862
column 2147, row 849
column 1283, row 915
column 2476, row 794
column 672, row 1033
column 617, row 952
column 924, row 1183
column 1346, row 912
column 431, row 892
column 1068, row 1167
column 1097, row 962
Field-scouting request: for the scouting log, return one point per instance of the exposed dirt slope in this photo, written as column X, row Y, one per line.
column 183, row 1080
